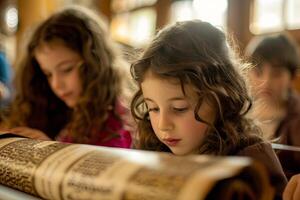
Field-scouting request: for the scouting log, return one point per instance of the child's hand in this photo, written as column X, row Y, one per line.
column 29, row 132
column 292, row 190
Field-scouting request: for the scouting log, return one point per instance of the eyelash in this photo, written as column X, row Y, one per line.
column 179, row 110
column 153, row 109
column 69, row 69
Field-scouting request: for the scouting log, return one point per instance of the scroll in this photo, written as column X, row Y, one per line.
column 60, row 171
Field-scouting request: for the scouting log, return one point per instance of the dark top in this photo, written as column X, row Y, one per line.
column 264, row 153
column 288, row 132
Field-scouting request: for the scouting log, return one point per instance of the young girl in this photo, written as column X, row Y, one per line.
column 192, row 98
column 68, row 84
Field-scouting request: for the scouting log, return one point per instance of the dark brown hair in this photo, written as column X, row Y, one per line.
column 278, row 50
column 198, row 54
column 36, row 106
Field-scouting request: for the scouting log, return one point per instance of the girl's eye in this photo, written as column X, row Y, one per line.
column 180, row 109
column 153, row 109
column 68, row 69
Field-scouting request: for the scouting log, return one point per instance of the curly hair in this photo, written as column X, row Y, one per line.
column 35, row 104
column 198, row 54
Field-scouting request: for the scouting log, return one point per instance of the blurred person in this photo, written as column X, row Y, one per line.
column 69, row 83
column 276, row 104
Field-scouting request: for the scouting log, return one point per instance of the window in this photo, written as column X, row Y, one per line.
column 126, row 5
column 133, row 22
column 293, row 14
column 275, row 15
column 135, row 28
column 213, row 11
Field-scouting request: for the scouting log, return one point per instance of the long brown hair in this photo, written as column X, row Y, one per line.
column 36, row 106
column 198, row 54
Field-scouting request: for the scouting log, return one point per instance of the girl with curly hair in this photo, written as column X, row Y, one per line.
column 69, row 83
column 193, row 99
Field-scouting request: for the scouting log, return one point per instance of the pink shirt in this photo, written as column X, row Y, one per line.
column 113, row 135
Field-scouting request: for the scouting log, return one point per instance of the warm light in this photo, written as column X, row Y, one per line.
column 213, row 11
column 11, row 18
column 293, row 14
column 267, row 16
column 134, row 29
column 182, row 11
column 119, row 28
column 142, row 26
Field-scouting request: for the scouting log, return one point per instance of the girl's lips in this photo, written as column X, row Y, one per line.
column 171, row 141
column 66, row 95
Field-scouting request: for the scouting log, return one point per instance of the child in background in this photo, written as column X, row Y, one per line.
column 69, row 83
column 192, row 98
column 276, row 104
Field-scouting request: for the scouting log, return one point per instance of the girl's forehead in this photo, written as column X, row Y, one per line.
column 153, row 81
column 50, row 44
column 149, row 74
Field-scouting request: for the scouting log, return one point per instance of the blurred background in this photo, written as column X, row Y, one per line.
column 134, row 22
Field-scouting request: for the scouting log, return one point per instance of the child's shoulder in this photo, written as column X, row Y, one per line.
column 259, row 146
column 262, row 152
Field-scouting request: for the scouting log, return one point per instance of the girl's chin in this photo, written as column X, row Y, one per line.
column 179, row 153
column 70, row 104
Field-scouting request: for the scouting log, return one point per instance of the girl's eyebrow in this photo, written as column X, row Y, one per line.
column 148, row 99
column 67, row 62
column 176, row 99
column 170, row 99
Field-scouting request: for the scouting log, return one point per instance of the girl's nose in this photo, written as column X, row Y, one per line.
column 165, row 122
column 57, row 83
